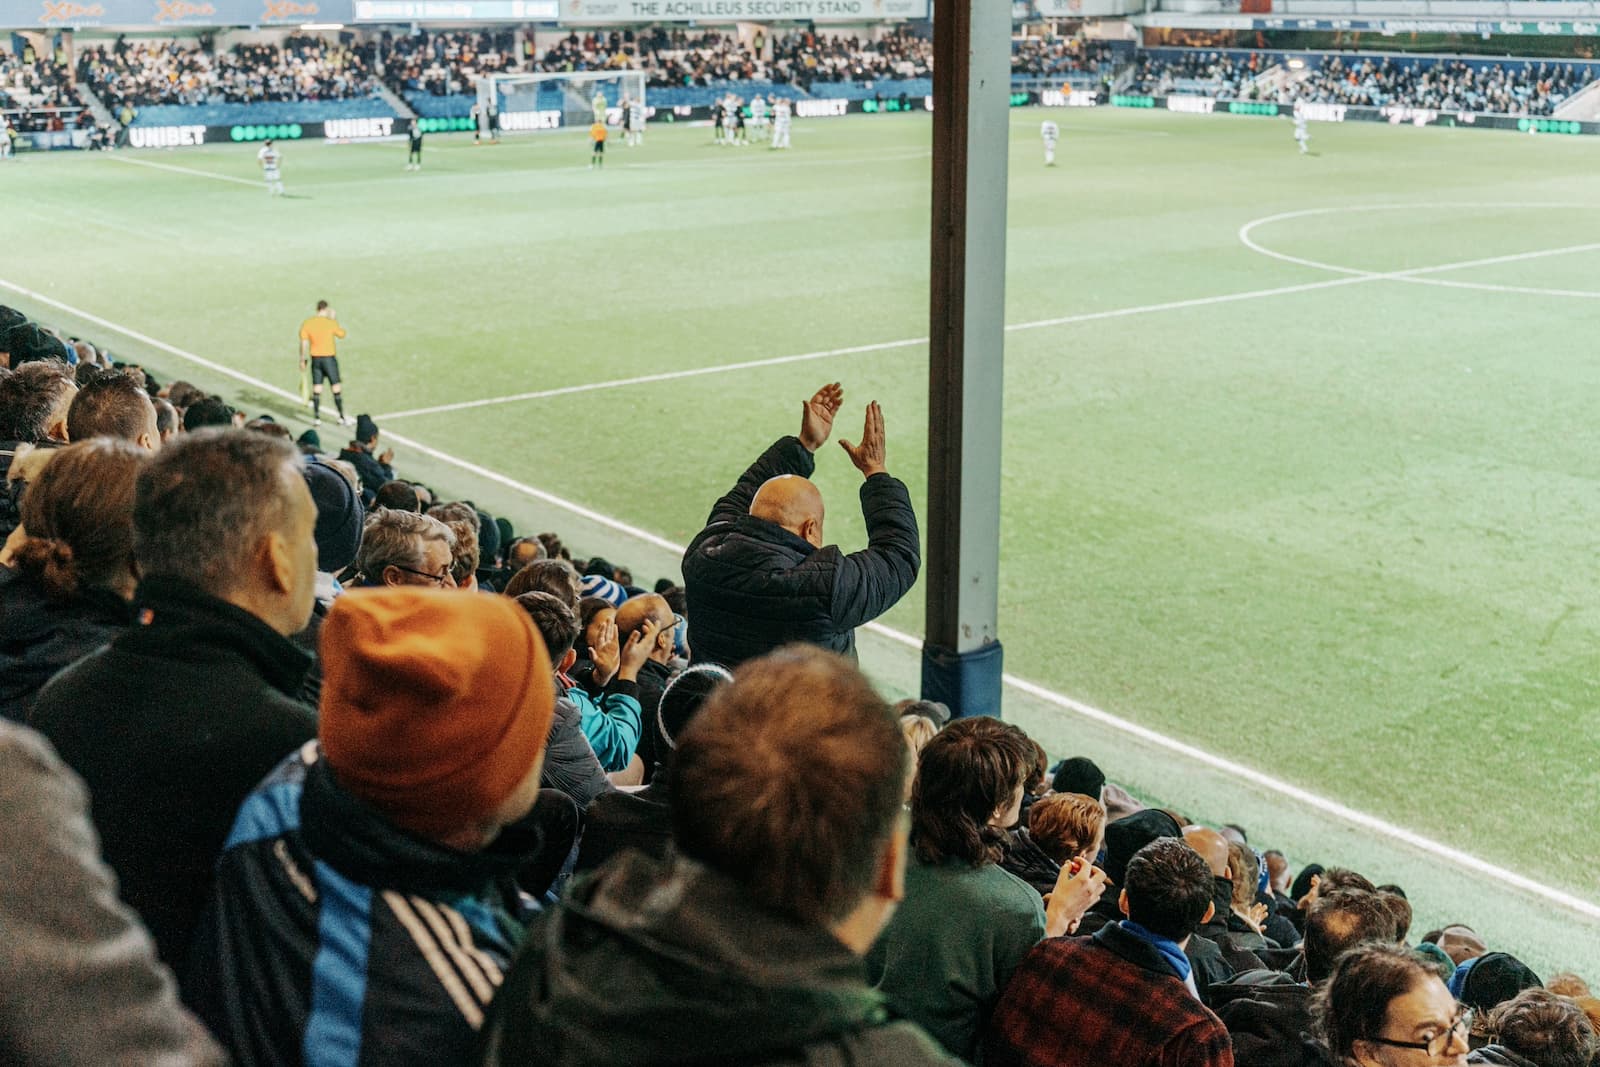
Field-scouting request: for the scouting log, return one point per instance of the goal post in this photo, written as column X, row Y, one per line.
column 551, row 100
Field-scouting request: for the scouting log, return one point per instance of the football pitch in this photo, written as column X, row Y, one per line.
column 1300, row 452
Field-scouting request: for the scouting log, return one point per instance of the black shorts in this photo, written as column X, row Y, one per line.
column 325, row 368
column 599, row 148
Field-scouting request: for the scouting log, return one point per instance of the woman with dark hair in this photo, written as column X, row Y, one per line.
column 74, row 574
column 1384, row 1006
column 966, row 923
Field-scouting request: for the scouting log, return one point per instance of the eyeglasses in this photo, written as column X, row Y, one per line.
column 436, row 579
column 1460, row 1027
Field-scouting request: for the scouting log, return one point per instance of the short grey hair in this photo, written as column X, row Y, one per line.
column 395, row 539
column 204, row 503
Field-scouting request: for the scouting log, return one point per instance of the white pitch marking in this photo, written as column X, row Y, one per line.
column 1415, row 275
column 185, row 170
column 1352, row 277
column 1276, row 785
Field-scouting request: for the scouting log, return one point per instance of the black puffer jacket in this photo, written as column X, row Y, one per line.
column 753, row 586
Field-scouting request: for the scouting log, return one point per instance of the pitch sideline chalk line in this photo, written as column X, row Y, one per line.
column 1243, row 773
column 1414, row 276
column 185, row 170
column 1351, row 276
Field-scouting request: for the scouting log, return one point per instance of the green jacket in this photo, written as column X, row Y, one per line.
column 651, row 962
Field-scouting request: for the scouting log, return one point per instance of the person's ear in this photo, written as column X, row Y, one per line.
column 145, row 442
column 811, row 530
column 279, row 562
column 1122, row 903
column 1211, row 913
column 890, row 883
column 568, row 660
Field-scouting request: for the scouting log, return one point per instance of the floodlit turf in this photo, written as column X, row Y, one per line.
column 1343, row 533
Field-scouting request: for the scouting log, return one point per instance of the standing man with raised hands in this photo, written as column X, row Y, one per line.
column 760, row 575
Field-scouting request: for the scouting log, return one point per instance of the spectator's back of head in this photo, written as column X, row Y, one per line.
column 340, row 516
column 1079, row 775
column 789, row 781
column 1126, row 836
column 1336, row 878
column 207, row 411
column 183, row 393
column 112, row 405
column 1246, row 871
column 685, row 695
column 229, row 512
column 1400, row 908
column 29, row 343
column 34, row 401
column 166, row 419
column 397, row 495
column 1545, row 1029
column 463, row 523
column 1068, row 826
column 1492, row 979
column 1338, row 922
column 523, row 551
column 970, row 771
column 554, row 576
column 1167, row 889
column 556, row 623
column 79, row 517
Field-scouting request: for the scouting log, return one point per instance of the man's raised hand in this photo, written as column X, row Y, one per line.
column 816, row 416
column 870, row 455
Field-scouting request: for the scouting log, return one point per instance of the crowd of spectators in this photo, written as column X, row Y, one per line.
column 38, row 88
column 1445, row 85
column 1534, row 88
column 1044, row 57
column 296, row 755
column 302, row 67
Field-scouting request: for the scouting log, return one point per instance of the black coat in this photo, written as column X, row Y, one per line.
column 618, row 821
column 171, row 726
column 570, row 764
column 1268, row 1016
column 40, row 637
column 753, row 586
column 373, row 475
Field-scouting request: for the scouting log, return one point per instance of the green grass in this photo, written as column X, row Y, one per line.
column 1345, row 535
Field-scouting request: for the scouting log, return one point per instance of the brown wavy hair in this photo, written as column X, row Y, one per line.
column 966, row 773
column 79, row 517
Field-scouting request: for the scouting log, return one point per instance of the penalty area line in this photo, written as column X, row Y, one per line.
column 1266, row 782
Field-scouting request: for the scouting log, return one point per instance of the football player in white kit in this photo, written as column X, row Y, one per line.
column 1051, row 134
column 270, row 159
column 780, row 123
column 635, row 123
column 758, row 115
column 1301, row 134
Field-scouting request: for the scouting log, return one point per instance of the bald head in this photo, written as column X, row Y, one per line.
column 1212, row 846
column 633, row 615
column 1461, row 944
column 792, row 502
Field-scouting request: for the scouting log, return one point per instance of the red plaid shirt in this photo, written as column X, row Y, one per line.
column 1104, row 1001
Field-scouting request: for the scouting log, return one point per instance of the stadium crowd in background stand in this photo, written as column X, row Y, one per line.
column 294, row 754
column 142, row 74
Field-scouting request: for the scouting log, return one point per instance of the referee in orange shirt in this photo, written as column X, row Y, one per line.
column 317, row 338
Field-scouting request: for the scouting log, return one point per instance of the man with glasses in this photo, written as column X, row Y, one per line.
column 405, row 548
column 657, row 671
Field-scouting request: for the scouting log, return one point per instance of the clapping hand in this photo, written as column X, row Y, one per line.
column 816, row 416
column 605, row 654
column 637, row 650
column 1078, row 887
column 869, row 456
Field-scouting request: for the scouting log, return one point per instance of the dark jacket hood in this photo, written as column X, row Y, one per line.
column 1499, row 1054
column 39, row 636
column 644, row 956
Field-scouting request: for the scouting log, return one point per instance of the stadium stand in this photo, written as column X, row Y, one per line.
column 404, row 814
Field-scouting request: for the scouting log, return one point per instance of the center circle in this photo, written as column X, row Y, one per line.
column 1417, row 275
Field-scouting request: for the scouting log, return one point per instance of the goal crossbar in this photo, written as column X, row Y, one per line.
column 574, row 84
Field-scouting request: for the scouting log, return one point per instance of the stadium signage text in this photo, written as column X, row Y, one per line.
column 816, row 109
column 531, row 120
column 1417, row 116
column 284, row 10
column 166, row 136
column 591, row 12
column 357, row 129
column 1192, row 105
column 178, row 10
column 1322, row 112
column 1075, row 98
column 69, row 12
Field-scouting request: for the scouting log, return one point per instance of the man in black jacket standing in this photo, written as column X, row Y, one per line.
column 174, row 722
column 758, row 576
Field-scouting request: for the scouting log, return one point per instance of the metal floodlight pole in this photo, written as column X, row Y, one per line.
column 961, row 657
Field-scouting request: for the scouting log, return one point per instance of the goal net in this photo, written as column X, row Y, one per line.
column 521, row 103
